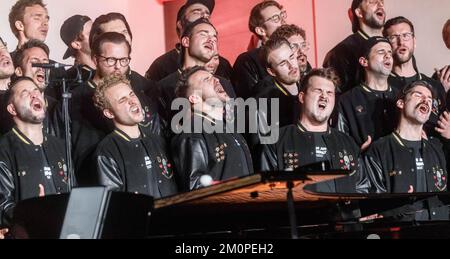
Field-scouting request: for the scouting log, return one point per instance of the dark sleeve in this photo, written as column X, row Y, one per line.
column 109, row 174
column 342, row 122
column 268, row 159
column 7, row 191
column 190, row 155
column 372, row 178
column 337, row 59
column 224, row 70
column 245, row 77
column 155, row 72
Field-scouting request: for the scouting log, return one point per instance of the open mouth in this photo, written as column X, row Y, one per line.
column 402, row 50
column 380, row 14
column 37, row 105
column 209, row 46
column 135, row 110
column 388, row 64
column 302, row 59
column 40, row 77
column 424, row 109
column 323, row 105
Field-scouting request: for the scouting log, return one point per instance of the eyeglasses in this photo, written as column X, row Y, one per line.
column 304, row 46
column 110, row 61
column 404, row 36
column 277, row 17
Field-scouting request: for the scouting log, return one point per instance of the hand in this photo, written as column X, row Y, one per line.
column 444, row 77
column 3, row 232
column 443, row 127
column 366, row 144
column 41, row 190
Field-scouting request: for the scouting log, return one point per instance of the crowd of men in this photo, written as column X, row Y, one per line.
column 369, row 111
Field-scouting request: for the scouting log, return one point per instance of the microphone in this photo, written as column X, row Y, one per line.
column 49, row 65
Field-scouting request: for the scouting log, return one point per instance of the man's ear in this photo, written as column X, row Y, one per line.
column 11, row 109
column 359, row 14
column 194, row 98
column 400, row 104
column 185, row 42
column 19, row 26
column 363, row 61
column 271, row 72
column 301, row 97
column 75, row 45
column 108, row 114
column 18, row 71
column 261, row 32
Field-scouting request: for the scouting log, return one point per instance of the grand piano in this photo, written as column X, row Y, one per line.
column 288, row 205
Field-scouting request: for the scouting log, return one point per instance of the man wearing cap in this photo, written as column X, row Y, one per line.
column 400, row 32
column 171, row 61
column 368, row 17
column 248, row 69
column 406, row 161
column 199, row 45
column 75, row 34
column 367, row 111
column 32, row 163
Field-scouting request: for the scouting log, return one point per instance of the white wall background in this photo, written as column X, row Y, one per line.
column 145, row 18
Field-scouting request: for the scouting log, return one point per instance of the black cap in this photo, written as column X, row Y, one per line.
column 355, row 22
column 70, row 30
column 370, row 43
column 208, row 3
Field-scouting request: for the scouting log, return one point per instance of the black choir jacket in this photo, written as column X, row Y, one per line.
column 121, row 167
column 390, row 166
column 22, row 170
column 223, row 156
column 296, row 149
column 344, row 57
column 363, row 112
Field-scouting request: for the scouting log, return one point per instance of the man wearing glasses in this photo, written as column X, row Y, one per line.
column 400, row 32
column 111, row 55
column 265, row 18
column 368, row 18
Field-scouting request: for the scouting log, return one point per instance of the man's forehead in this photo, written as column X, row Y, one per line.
column 35, row 51
column 36, row 9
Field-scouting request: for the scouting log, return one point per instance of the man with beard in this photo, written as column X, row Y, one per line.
column 111, row 54
column 199, row 47
column 32, row 163
column 401, row 34
column 406, row 161
column 204, row 150
column 297, row 38
column 311, row 141
column 367, row 112
column 129, row 160
column 75, row 34
column 283, row 84
column 248, row 70
column 33, row 51
column 368, row 18
column 172, row 61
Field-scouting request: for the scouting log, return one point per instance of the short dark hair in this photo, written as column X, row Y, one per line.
column 18, row 11
column 9, row 94
column 18, row 58
column 183, row 82
column 395, row 21
column 288, row 30
column 256, row 18
column 408, row 88
column 326, row 73
column 105, row 18
column 446, row 31
column 272, row 44
column 355, row 22
column 113, row 37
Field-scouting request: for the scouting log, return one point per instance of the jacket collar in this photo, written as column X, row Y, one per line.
column 369, row 90
column 418, row 75
column 304, row 130
column 125, row 136
column 400, row 141
column 281, row 88
column 205, row 116
column 24, row 138
column 363, row 34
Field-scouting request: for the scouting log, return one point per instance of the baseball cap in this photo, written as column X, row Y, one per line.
column 70, row 30
column 371, row 42
column 210, row 4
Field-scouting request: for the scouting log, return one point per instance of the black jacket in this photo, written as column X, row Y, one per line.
column 439, row 103
column 363, row 112
column 296, row 149
column 24, row 166
column 247, row 72
column 390, row 166
column 344, row 57
column 170, row 62
column 221, row 155
column 135, row 165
